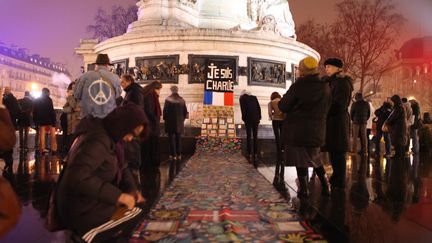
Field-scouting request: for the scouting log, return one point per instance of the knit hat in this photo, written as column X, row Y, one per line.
column 308, row 66
column 334, row 62
column 123, row 120
column 174, row 89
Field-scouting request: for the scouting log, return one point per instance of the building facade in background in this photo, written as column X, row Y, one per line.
column 411, row 74
column 24, row 72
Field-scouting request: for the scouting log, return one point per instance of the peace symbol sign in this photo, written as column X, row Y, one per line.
column 100, row 92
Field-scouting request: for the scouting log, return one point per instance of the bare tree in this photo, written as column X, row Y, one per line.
column 363, row 36
column 110, row 25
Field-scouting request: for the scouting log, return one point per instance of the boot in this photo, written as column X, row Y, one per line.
column 325, row 184
column 303, row 191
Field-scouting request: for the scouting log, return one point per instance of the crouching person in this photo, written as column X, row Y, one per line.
column 305, row 105
column 96, row 197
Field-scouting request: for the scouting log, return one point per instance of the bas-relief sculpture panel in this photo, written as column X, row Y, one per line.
column 266, row 72
column 163, row 68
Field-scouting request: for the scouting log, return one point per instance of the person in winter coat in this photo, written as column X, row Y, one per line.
column 7, row 136
column 134, row 91
column 24, row 120
column 409, row 118
column 337, row 134
column 45, row 118
column 251, row 116
column 72, row 109
column 360, row 113
column 96, row 189
column 132, row 153
column 415, row 126
column 12, row 105
column 98, row 90
column 382, row 114
column 396, row 125
column 174, row 114
column 150, row 147
column 306, row 104
column 369, row 126
column 277, row 117
column 10, row 207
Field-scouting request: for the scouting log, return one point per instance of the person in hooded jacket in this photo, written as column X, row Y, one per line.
column 95, row 184
column 174, row 113
column 338, row 120
column 396, row 125
column 306, row 104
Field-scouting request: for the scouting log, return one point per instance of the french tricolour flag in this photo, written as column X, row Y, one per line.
column 218, row 98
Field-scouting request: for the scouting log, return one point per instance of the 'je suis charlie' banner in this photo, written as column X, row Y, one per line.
column 219, row 84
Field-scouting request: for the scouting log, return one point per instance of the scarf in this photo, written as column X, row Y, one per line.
column 157, row 107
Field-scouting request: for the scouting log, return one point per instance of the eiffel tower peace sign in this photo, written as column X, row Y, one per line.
column 100, row 91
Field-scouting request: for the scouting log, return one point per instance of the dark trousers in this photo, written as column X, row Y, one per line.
column 387, row 141
column 277, row 130
column 338, row 162
column 174, row 143
column 23, row 135
column 252, row 129
column 150, row 152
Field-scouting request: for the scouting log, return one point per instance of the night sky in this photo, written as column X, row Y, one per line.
column 53, row 28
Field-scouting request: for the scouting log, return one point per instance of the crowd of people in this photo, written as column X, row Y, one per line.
column 110, row 139
column 321, row 114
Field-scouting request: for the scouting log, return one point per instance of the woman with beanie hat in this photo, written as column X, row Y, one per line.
column 95, row 185
column 305, row 105
column 338, row 119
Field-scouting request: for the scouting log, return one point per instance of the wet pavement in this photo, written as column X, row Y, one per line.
column 385, row 200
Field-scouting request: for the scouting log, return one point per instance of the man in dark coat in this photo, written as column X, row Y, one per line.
column 24, row 120
column 174, row 113
column 251, row 116
column 45, row 119
column 306, row 105
column 337, row 135
column 360, row 113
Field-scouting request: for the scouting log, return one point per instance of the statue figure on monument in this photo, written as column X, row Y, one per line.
column 259, row 10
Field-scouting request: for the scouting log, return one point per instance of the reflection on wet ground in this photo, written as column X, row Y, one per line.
column 386, row 200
